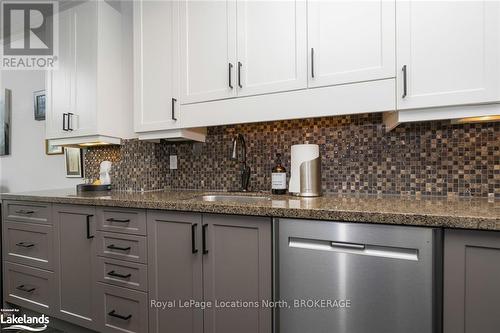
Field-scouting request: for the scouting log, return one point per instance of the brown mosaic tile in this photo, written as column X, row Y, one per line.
column 358, row 156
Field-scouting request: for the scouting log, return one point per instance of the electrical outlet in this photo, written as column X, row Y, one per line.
column 173, row 162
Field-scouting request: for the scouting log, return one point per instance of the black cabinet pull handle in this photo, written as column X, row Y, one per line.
column 173, row 109
column 312, row 63
column 405, row 84
column 25, row 212
column 204, row 238
column 89, row 236
column 23, row 244
column 230, row 74
column 114, row 247
column 123, row 276
column 193, row 238
column 118, row 220
column 116, row 315
column 25, row 289
column 64, row 121
column 70, row 115
column 239, row 74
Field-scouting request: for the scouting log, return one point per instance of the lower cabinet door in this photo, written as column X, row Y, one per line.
column 122, row 310
column 471, row 281
column 175, row 272
column 237, row 268
column 29, row 287
column 75, row 227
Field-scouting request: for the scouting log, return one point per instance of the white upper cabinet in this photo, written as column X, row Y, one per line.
column 86, row 100
column 208, row 50
column 84, row 88
column 271, row 46
column 350, row 41
column 448, row 53
column 71, row 89
column 59, row 86
column 156, row 68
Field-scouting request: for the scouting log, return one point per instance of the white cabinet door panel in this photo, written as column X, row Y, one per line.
column 350, row 41
column 208, row 49
column 271, row 46
column 84, row 118
column 155, row 48
column 451, row 50
column 59, row 99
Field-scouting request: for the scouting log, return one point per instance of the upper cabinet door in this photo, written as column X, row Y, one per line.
column 59, row 99
column 448, row 53
column 350, row 41
column 155, row 65
column 83, row 120
column 271, row 46
column 208, row 50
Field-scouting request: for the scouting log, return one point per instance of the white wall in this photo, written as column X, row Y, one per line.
column 28, row 168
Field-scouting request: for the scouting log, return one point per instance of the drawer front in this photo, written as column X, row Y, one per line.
column 130, row 221
column 123, row 310
column 122, row 246
column 29, row 287
column 29, row 244
column 27, row 212
column 122, row 273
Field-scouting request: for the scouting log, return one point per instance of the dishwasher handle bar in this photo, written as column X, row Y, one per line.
column 352, row 246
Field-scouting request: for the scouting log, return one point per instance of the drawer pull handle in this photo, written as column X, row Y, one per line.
column 23, row 244
column 193, row 238
column 114, row 247
column 25, row 212
column 405, row 82
column 312, row 63
column 89, row 236
column 204, row 238
column 116, row 315
column 25, row 289
column 354, row 246
column 123, row 276
column 118, row 220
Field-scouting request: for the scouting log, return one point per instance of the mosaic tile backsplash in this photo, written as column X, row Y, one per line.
column 358, row 156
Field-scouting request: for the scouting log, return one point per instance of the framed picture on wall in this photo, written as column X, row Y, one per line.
column 39, row 104
column 5, row 115
column 74, row 162
column 53, row 150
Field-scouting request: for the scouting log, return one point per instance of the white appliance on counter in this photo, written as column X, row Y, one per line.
column 305, row 172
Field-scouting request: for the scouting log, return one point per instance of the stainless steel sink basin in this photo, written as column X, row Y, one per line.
column 233, row 198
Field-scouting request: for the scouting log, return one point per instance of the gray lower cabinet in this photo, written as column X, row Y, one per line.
column 237, row 267
column 77, row 302
column 210, row 258
column 122, row 309
column 29, row 287
column 471, row 281
column 175, row 271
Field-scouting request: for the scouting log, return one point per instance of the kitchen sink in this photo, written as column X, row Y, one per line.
column 233, row 198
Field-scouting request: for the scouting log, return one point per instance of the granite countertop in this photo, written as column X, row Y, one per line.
column 405, row 210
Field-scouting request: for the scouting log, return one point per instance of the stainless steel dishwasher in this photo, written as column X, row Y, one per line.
column 390, row 276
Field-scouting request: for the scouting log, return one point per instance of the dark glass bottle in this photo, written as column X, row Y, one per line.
column 278, row 177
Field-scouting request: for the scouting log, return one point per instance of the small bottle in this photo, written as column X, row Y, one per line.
column 278, row 177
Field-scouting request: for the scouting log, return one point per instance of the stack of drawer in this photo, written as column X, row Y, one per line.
column 29, row 255
column 122, row 271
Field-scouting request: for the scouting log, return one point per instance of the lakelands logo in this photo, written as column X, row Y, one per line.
column 24, row 323
column 29, row 35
